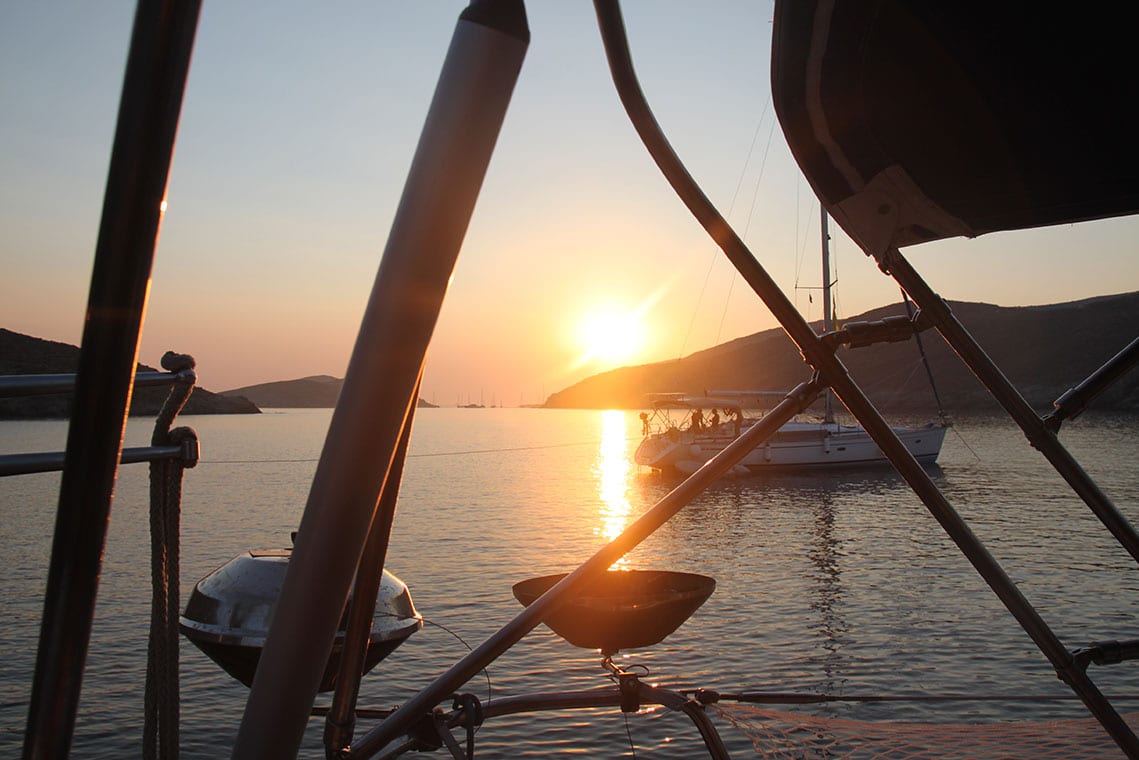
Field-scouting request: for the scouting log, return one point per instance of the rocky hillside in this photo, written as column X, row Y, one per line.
column 26, row 355
column 317, row 391
column 1043, row 350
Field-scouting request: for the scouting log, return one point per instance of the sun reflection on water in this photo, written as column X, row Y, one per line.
column 613, row 470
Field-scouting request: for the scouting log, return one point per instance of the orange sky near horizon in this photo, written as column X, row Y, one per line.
column 297, row 131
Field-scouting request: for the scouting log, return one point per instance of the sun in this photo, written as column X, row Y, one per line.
column 610, row 335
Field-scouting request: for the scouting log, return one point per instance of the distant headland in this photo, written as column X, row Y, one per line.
column 1043, row 350
column 314, row 392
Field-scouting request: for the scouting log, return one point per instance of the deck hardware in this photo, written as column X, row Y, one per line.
column 1074, row 400
column 1107, row 652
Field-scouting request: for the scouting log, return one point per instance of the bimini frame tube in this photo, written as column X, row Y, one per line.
column 1074, row 400
column 155, row 80
column 462, row 126
column 1040, row 435
column 341, row 719
column 822, row 357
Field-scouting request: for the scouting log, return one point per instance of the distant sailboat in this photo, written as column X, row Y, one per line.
column 682, row 432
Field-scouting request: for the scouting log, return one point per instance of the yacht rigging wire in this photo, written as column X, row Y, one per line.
column 464, row 452
column 924, row 356
column 731, row 207
column 461, row 640
column 747, row 223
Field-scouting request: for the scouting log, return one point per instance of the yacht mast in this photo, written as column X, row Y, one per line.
column 828, row 313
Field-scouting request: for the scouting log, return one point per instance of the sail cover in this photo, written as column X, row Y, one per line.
column 916, row 121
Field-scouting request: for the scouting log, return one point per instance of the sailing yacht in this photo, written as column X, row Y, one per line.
column 683, row 432
column 681, row 438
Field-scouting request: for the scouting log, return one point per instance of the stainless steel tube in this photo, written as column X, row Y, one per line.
column 463, row 122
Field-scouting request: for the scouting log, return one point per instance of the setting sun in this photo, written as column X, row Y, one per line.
column 610, row 335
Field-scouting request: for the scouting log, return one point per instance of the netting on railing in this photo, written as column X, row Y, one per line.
column 778, row 735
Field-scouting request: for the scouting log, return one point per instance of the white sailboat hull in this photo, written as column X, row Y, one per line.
column 794, row 446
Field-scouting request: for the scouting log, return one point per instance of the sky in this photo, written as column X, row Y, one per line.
column 298, row 127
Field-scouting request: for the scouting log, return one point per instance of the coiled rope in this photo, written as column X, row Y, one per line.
column 161, row 699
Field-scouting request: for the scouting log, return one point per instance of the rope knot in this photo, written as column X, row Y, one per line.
column 187, row 439
column 174, row 362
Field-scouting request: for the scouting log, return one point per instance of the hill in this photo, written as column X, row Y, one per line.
column 1043, row 350
column 317, row 391
column 25, row 355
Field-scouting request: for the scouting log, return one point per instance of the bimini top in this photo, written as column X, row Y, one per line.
column 920, row 121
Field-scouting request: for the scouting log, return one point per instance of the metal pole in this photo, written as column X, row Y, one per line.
column 1073, row 400
column 36, row 385
column 340, row 722
column 828, row 307
column 828, row 315
column 53, row 461
column 424, row 702
column 1036, row 429
column 455, row 148
column 822, row 357
column 157, row 65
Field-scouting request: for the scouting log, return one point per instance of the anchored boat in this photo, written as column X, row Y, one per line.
column 684, row 432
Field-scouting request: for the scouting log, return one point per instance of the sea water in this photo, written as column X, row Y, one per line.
column 828, row 583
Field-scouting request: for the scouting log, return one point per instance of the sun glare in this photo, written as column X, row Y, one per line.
column 610, row 335
column 614, row 472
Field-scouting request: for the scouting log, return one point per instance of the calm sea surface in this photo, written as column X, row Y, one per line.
column 829, row 583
